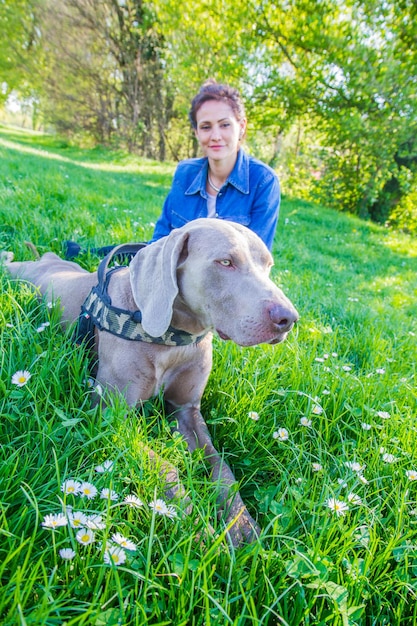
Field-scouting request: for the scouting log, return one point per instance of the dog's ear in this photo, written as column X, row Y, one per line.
column 153, row 279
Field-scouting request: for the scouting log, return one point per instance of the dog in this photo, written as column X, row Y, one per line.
column 208, row 276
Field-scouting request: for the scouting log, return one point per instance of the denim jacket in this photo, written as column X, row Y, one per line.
column 250, row 196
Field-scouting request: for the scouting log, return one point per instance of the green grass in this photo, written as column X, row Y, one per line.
column 349, row 367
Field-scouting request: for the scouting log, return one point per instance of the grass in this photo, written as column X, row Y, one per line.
column 349, row 369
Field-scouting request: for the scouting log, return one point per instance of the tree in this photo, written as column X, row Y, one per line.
column 104, row 72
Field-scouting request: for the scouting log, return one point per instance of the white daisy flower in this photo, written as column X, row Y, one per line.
column 159, row 506
column 77, row 519
column 87, row 490
column 253, row 415
column 171, row 512
column 383, row 415
column 133, row 501
column 54, row 521
column 282, row 434
column 317, row 409
column 67, row 554
column 106, row 467
column 70, row 486
column 354, row 499
column 42, row 327
column 114, row 555
column 95, row 522
column 122, row 541
column 380, row 370
column 389, row 458
column 337, row 506
column 85, row 536
column 108, row 494
column 411, row 474
column 21, row 377
column 346, row 368
column 304, row 421
column 316, row 467
column 354, row 466
column 366, row 426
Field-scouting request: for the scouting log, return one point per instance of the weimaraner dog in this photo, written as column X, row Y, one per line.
column 208, row 276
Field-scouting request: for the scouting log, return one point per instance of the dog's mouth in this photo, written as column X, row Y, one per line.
column 279, row 338
column 222, row 335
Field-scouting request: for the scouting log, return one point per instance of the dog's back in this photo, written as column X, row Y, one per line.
column 56, row 279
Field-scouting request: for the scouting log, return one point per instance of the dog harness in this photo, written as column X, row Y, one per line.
column 98, row 311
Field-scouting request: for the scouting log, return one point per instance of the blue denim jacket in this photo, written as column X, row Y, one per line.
column 250, row 196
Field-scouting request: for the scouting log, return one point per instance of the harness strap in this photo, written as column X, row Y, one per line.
column 98, row 310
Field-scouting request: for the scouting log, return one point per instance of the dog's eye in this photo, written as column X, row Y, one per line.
column 225, row 262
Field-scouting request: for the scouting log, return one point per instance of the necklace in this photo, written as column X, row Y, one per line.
column 212, row 185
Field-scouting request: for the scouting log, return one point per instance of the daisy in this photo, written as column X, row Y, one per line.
column 363, row 479
column 95, row 522
column 67, row 554
column 54, row 521
column 383, row 415
column 106, row 467
column 114, row 555
column 380, row 370
column 338, row 506
column 304, row 421
column 108, row 494
column 354, row 499
column 21, row 377
column 389, row 458
column 253, row 415
column 354, row 466
column 317, row 410
column 411, row 474
column 71, row 486
column 316, row 467
column 159, row 506
column 87, row 490
column 171, row 512
column 281, row 434
column 366, row 426
column 346, row 368
column 42, row 327
column 85, row 536
column 77, row 519
column 122, row 541
column 133, row 500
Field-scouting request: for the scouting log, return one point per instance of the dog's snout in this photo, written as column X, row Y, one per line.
column 283, row 317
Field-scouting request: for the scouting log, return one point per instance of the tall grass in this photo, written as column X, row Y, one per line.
column 327, row 420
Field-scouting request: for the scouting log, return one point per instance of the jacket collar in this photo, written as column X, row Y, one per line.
column 239, row 176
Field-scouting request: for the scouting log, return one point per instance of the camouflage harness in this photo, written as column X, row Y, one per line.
column 98, row 311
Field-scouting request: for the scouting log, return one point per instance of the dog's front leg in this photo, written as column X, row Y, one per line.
column 191, row 425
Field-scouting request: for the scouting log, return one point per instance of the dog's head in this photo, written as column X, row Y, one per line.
column 220, row 270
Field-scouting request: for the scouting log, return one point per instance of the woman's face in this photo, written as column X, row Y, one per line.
column 218, row 131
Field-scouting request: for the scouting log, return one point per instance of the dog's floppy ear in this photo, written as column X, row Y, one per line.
column 153, row 279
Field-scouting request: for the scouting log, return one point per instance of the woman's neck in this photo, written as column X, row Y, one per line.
column 219, row 171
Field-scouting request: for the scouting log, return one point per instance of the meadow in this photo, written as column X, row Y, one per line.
column 320, row 431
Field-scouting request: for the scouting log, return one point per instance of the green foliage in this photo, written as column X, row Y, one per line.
column 340, row 75
column 349, row 370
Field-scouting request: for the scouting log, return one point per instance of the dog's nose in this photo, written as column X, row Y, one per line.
column 283, row 317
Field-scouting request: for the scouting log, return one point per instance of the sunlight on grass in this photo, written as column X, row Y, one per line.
column 144, row 167
column 320, row 431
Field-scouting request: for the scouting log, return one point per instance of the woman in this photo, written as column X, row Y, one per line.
column 225, row 183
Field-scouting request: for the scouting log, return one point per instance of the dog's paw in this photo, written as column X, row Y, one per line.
column 242, row 528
